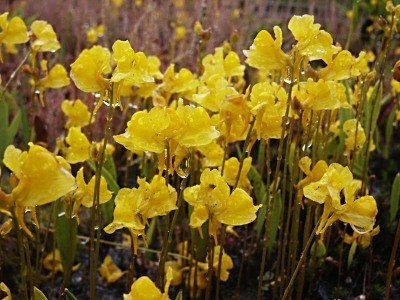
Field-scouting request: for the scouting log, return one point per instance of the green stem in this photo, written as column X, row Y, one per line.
column 28, row 264
column 95, row 211
column 167, row 243
column 299, row 264
column 13, row 74
column 223, row 230
column 210, row 254
column 380, row 70
column 354, row 21
column 21, row 254
column 274, row 190
column 392, row 261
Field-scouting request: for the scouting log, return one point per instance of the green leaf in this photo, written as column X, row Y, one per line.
column 66, row 232
column 109, row 165
column 260, row 193
column 12, row 130
column 150, row 235
column 38, row 294
column 109, row 173
column 352, row 251
column 318, row 249
column 3, row 128
column 377, row 107
column 395, row 198
column 179, row 296
column 69, row 295
column 389, row 132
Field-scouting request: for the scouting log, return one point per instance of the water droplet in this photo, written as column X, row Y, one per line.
column 61, row 214
column 359, row 230
column 287, row 80
column 106, row 102
column 97, row 95
column 37, row 92
column 96, row 227
column 183, row 169
column 133, row 105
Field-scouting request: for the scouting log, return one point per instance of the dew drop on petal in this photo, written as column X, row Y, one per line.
column 183, row 169
column 359, row 230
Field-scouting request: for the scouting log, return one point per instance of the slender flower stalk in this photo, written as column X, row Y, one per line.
column 392, row 261
column 223, row 229
column 95, row 230
column 270, row 201
column 299, row 264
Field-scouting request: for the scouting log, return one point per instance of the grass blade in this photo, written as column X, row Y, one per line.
column 395, row 198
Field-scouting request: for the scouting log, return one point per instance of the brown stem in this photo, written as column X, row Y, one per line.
column 392, row 261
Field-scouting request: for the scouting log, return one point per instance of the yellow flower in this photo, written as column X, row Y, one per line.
column 227, row 67
column 362, row 239
column 94, row 33
column 226, row 263
column 234, row 118
column 359, row 213
column 268, row 104
column 311, row 175
column 5, row 289
column 311, row 41
column 196, row 127
column 212, row 200
column 213, row 154
column 79, row 146
column 77, row 113
column 110, row 271
column 133, row 68
column 56, row 78
column 214, row 91
column 330, row 185
column 52, row 262
column 10, row 48
column 355, row 136
column 197, row 279
column 6, row 227
column 84, row 195
column 145, row 289
column 183, row 83
column 12, row 32
column 42, row 177
column 335, row 128
column 44, row 37
column 134, row 206
column 180, row 32
column 232, row 169
column 118, row 3
column 321, row 95
column 150, row 131
column 177, row 271
column 89, row 69
column 395, row 86
column 265, row 53
column 343, row 66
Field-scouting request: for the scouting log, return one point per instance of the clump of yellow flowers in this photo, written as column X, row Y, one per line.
column 192, row 136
